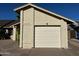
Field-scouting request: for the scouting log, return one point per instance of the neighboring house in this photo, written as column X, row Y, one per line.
column 72, row 32
column 77, row 31
column 16, row 30
column 40, row 28
column 6, row 31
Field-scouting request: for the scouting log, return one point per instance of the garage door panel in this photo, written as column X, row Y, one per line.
column 47, row 37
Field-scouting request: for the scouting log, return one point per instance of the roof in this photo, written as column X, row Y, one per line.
column 52, row 13
column 76, row 28
column 2, row 22
column 7, row 23
column 77, row 22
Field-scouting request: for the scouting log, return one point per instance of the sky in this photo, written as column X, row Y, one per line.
column 69, row 10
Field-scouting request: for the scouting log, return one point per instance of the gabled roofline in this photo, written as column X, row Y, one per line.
column 62, row 17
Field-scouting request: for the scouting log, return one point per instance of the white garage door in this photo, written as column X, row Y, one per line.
column 47, row 37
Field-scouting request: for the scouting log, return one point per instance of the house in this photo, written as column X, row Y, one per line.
column 6, row 31
column 72, row 32
column 40, row 28
column 77, row 30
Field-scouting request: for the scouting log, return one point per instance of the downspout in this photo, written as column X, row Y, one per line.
column 21, row 28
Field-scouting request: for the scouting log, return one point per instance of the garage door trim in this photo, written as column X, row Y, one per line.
column 47, row 26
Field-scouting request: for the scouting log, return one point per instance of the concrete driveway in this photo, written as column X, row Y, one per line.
column 11, row 49
column 52, row 52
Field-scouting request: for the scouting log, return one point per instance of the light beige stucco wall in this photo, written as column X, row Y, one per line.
column 33, row 17
column 28, row 28
column 64, row 34
column 42, row 18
